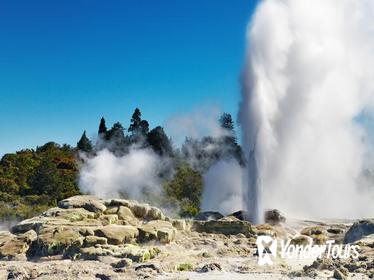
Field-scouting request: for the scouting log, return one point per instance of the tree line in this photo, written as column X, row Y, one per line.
column 34, row 180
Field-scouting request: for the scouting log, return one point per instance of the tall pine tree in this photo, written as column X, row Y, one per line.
column 102, row 127
column 230, row 141
column 138, row 128
column 159, row 141
column 84, row 144
column 227, row 123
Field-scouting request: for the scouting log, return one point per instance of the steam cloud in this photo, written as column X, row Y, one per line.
column 133, row 175
column 308, row 80
column 200, row 122
column 223, row 189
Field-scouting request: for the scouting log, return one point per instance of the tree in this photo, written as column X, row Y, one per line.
column 135, row 121
column 102, row 127
column 227, row 123
column 116, row 132
column 230, row 142
column 118, row 142
column 138, row 127
column 186, row 189
column 84, row 144
column 159, row 141
column 48, row 179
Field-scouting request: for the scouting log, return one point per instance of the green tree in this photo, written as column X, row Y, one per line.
column 229, row 141
column 54, row 182
column 138, row 127
column 226, row 122
column 84, row 144
column 102, row 127
column 118, row 142
column 116, row 133
column 159, row 141
column 32, row 181
column 186, row 189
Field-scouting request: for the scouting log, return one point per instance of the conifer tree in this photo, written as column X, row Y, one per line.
column 159, row 141
column 102, row 127
column 84, row 144
column 138, row 128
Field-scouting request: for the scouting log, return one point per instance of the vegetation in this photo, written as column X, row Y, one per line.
column 33, row 180
column 84, row 144
column 184, row 267
column 185, row 189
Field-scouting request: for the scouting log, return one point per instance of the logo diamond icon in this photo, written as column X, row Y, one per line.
column 267, row 249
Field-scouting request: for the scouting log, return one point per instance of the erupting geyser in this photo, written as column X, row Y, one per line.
column 308, row 85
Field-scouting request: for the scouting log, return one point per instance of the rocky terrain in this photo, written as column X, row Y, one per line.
column 89, row 238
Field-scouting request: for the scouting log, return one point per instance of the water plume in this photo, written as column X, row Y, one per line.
column 308, row 78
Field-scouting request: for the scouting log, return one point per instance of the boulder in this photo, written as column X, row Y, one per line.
column 122, row 202
column 86, row 231
column 108, row 219
column 133, row 252
column 208, row 216
column 154, row 214
column 12, row 247
column 301, row 240
column 125, row 214
column 117, row 234
column 229, row 218
column 39, row 223
column 159, row 230
column 335, row 230
column 88, row 202
column 274, row 217
column 28, row 237
column 57, row 241
column 111, row 210
column 318, row 233
column 179, row 224
column 359, row 230
column 270, row 230
column 241, row 215
column 90, row 241
column 29, row 224
column 73, row 215
column 126, row 262
column 224, row 227
column 140, row 210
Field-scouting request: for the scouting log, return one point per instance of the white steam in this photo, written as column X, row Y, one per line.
column 223, row 189
column 309, row 75
column 134, row 175
column 202, row 121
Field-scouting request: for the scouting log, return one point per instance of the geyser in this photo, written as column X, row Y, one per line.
column 307, row 81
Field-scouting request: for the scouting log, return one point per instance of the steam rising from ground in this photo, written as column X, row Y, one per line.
column 133, row 175
column 223, row 190
column 200, row 122
column 309, row 75
column 136, row 174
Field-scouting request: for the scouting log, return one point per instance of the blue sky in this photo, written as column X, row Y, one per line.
column 64, row 64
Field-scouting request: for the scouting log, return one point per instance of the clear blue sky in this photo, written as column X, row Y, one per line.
column 64, row 64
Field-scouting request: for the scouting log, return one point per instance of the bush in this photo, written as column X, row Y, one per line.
column 185, row 189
